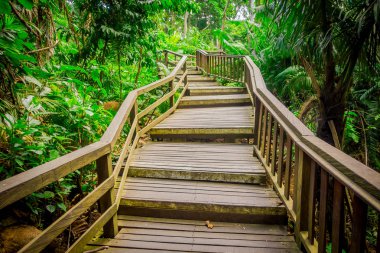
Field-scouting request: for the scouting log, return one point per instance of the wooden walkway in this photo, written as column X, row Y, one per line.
column 184, row 178
column 223, row 172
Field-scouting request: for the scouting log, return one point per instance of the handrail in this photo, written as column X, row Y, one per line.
column 23, row 184
column 281, row 140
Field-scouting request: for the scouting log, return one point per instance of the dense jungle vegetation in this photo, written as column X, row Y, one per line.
column 65, row 66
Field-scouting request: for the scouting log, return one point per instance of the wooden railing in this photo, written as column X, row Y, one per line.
column 22, row 185
column 304, row 169
column 170, row 58
column 218, row 64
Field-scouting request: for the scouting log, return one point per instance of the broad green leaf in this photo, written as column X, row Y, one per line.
column 5, row 8
column 19, row 162
column 53, row 154
column 50, row 208
column 28, row 4
column 62, row 206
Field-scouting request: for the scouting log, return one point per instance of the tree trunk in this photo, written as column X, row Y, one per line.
column 224, row 21
column 332, row 106
column 185, row 25
column 250, row 11
column 138, row 69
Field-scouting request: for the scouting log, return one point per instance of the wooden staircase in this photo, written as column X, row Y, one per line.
column 198, row 186
column 184, row 178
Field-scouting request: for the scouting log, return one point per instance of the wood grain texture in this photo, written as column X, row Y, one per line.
column 198, row 161
column 163, row 235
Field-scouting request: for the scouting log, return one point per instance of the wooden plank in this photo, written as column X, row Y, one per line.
column 114, row 129
column 152, row 223
column 131, row 244
column 40, row 176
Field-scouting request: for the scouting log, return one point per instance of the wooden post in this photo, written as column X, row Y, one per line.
column 263, row 132
column 166, row 59
column 104, row 171
column 133, row 115
column 269, row 140
column 323, row 211
column 359, row 223
column 288, row 165
column 171, row 99
column 302, row 193
column 257, row 121
column 280, row 157
column 274, row 148
column 337, row 218
column 185, row 79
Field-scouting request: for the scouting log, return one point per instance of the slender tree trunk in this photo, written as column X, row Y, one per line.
column 120, row 83
column 251, row 7
column 224, row 21
column 185, row 24
column 138, row 69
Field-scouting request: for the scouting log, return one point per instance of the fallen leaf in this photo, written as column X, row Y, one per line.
column 209, row 224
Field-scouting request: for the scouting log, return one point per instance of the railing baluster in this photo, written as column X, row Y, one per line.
column 269, row 141
column 337, row 218
column 304, row 165
column 378, row 234
column 311, row 203
column 323, row 211
column 280, row 166
column 263, row 130
column 359, row 223
column 258, row 120
column 104, row 171
column 274, row 148
column 288, row 165
column 296, row 174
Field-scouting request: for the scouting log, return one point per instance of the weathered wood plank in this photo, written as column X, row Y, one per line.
column 40, row 176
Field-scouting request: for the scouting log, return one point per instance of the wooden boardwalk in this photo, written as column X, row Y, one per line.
column 184, row 178
column 200, row 169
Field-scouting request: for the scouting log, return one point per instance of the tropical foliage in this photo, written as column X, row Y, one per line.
column 65, row 65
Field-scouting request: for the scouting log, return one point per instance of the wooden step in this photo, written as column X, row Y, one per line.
column 193, row 84
column 200, row 78
column 211, row 122
column 191, row 72
column 144, row 234
column 221, row 90
column 215, row 100
column 220, row 162
column 166, row 198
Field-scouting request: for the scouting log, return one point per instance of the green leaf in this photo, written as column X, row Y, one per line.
column 48, row 194
column 62, row 206
column 50, row 208
column 5, row 8
column 28, row 4
column 19, row 162
column 53, row 154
